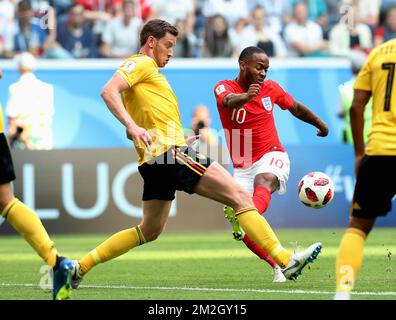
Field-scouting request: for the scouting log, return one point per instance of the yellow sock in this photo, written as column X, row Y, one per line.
column 113, row 247
column 258, row 229
column 28, row 224
column 349, row 259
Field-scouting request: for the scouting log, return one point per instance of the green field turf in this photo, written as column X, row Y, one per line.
column 194, row 266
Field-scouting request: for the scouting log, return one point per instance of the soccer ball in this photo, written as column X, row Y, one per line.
column 316, row 190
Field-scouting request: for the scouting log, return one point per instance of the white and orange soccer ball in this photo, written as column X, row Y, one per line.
column 316, row 190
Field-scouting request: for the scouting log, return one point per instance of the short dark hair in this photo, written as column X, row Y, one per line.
column 158, row 29
column 24, row 5
column 248, row 52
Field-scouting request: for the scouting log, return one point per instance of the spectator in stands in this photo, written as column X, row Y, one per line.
column 304, row 38
column 61, row 6
column 318, row 11
column 75, row 35
column 120, row 38
column 30, row 108
column 278, row 12
column 186, row 41
column 367, row 11
column 6, row 22
column 145, row 9
column 235, row 34
column 100, row 12
column 262, row 35
column 387, row 31
column 217, row 42
column 334, row 11
column 350, row 34
column 231, row 10
column 174, row 10
column 29, row 33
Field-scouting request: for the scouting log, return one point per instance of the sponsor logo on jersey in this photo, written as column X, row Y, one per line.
column 267, row 103
column 220, row 89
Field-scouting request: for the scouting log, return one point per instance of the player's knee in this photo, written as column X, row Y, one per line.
column 152, row 233
column 4, row 201
column 268, row 180
column 240, row 199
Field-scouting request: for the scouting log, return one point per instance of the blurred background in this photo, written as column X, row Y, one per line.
column 74, row 164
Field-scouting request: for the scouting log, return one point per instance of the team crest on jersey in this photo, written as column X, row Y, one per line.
column 267, row 103
column 220, row 89
column 129, row 66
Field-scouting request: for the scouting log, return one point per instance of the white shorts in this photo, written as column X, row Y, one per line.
column 276, row 162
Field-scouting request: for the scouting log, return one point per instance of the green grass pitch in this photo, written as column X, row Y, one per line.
column 196, row 266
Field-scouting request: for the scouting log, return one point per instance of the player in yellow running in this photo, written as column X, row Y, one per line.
column 374, row 163
column 27, row 223
column 142, row 99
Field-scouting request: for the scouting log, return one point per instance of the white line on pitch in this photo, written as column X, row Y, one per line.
column 207, row 289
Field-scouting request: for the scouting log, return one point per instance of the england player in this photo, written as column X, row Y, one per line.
column 374, row 163
column 261, row 164
column 28, row 225
column 141, row 98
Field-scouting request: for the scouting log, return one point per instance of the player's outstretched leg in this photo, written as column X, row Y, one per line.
column 218, row 184
column 29, row 226
column 155, row 215
column 350, row 256
column 238, row 234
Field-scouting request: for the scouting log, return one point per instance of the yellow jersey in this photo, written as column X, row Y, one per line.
column 152, row 104
column 378, row 76
column 1, row 120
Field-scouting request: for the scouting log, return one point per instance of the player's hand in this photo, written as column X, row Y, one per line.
column 323, row 130
column 140, row 135
column 358, row 162
column 253, row 91
column 1, row 74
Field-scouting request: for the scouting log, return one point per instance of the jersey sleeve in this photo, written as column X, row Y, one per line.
column 135, row 71
column 283, row 99
column 221, row 90
column 363, row 80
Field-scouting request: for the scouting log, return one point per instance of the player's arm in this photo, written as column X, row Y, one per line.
column 234, row 100
column 360, row 100
column 304, row 114
column 111, row 96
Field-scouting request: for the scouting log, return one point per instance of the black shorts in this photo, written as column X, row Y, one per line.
column 375, row 187
column 7, row 173
column 180, row 168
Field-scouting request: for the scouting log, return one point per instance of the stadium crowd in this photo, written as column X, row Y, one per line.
column 208, row 28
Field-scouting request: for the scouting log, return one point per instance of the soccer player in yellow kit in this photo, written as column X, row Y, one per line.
column 374, row 163
column 142, row 99
column 28, row 225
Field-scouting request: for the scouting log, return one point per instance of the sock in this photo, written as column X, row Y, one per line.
column 113, row 247
column 261, row 253
column 29, row 226
column 261, row 198
column 258, row 229
column 349, row 259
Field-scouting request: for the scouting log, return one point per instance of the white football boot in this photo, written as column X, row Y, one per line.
column 299, row 260
column 279, row 277
column 76, row 277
